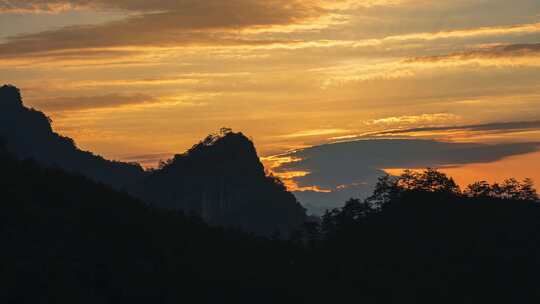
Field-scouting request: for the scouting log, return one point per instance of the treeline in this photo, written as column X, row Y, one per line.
column 67, row 239
column 420, row 239
column 392, row 189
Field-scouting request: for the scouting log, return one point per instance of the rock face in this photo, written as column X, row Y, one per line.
column 221, row 178
column 27, row 133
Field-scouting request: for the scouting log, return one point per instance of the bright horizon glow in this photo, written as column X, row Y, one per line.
column 519, row 167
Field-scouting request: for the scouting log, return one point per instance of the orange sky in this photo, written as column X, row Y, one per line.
column 520, row 167
column 142, row 80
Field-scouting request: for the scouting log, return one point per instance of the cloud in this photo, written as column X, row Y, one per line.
column 136, row 31
column 493, row 127
column 316, row 132
column 172, row 23
column 516, row 29
column 414, row 119
column 488, row 52
column 37, row 6
column 90, row 102
column 455, row 132
column 350, row 169
column 332, row 165
column 475, row 32
column 212, row 22
column 75, row 57
column 509, row 55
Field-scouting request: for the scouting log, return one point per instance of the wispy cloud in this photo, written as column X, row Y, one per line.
column 90, row 102
column 172, row 23
column 37, row 6
column 517, row 29
column 509, row 51
column 510, row 55
column 316, row 132
column 497, row 126
column 414, row 119
column 115, row 101
column 458, row 133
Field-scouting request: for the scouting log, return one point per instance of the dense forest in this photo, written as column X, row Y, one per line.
column 68, row 239
column 419, row 238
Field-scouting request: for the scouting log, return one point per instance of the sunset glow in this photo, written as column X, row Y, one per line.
column 141, row 81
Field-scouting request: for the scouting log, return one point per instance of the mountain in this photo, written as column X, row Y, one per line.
column 28, row 134
column 220, row 179
column 67, row 239
column 223, row 180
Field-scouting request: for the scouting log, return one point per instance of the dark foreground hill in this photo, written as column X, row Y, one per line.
column 221, row 179
column 66, row 239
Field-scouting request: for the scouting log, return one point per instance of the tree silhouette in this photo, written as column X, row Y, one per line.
column 510, row 189
column 429, row 180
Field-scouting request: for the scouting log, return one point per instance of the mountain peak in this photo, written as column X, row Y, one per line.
column 226, row 138
column 223, row 180
column 10, row 97
column 27, row 133
column 226, row 149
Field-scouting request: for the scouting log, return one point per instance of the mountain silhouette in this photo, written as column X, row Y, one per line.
column 67, row 239
column 418, row 239
column 27, row 133
column 221, row 179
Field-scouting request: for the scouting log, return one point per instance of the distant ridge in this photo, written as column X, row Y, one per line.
column 221, row 179
column 27, row 133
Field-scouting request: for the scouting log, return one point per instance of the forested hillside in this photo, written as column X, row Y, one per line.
column 223, row 180
column 67, row 239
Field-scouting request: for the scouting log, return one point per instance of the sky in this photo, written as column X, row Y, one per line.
column 141, row 80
